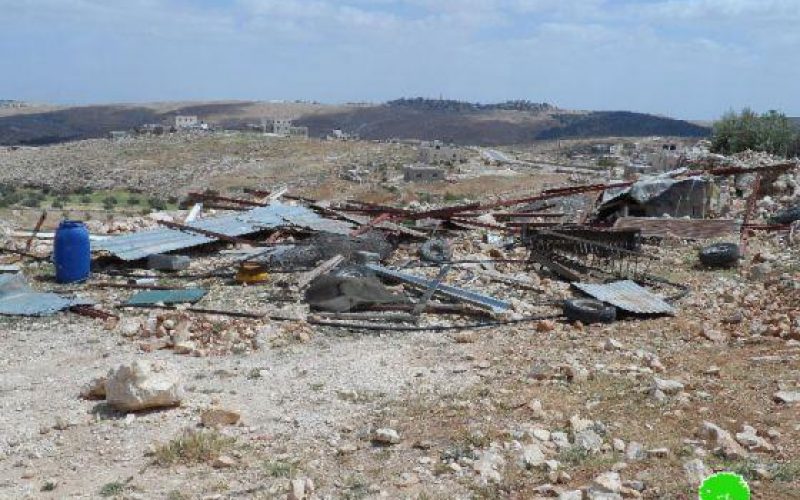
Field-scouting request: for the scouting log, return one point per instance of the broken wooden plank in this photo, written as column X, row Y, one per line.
column 306, row 278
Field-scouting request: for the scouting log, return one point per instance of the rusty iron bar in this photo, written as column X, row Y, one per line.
column 768, row 227
column 196, row 197
column 35, row 230
column 91, row 312
column 723, row 171
column 369, row 225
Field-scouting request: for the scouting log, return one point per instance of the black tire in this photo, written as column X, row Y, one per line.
column 589, row 311
column 435, row 251
column 720, row 255
column 786, row 216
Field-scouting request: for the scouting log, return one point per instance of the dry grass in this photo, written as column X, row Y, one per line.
column 193, row 447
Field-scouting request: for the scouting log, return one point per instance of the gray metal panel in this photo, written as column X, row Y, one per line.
column 628, row 296
column 151, row 297
column 471, row 297
column 144, row 243
column 17, row 298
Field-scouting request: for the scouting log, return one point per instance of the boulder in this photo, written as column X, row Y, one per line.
column 142, row 385
column 385, row 436
column 723, row 440
column 750, row 439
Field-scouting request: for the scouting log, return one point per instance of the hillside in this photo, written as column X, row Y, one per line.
column 511, row 122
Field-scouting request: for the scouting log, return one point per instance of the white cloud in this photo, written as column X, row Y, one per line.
column 671, row 56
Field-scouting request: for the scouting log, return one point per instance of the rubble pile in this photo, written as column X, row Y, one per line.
column 507, row 303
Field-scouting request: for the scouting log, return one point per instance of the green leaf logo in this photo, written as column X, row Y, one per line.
column 724, row 486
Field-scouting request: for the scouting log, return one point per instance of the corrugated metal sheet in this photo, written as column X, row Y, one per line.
column 698, row 229
column 17, row 298
column 628, row 296
column 144, row 243
column 151, row 297
column 471, row 297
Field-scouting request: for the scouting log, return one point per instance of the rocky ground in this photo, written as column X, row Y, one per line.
column 178, row 405
column 638, row 408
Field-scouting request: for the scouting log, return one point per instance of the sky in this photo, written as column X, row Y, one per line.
column 691, row 59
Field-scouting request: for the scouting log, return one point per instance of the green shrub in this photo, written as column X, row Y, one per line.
column 157, row 203
column 771, row 132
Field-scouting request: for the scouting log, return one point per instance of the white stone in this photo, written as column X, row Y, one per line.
column 787, row 397
column 750, row 439
column 668, row 387
column 723, row 440
column 608, row 482
column 588, row 440
column 142, row 385
column 489, row 465
column 532, row 456
column 696, row 471
column 541, row 434
column 386, row 436
column 635, row 451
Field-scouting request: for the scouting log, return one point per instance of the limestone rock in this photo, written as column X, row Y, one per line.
column 668, row 387
column 217, row 417
column 588, row 440
column 386, row 436
column 696, row 471
column 466, row 337
column 723, row 440
column 750, row 439
column 95, row 389
column 489, row 466
column 142, row 385
column 635, row 451
column 607, row 482
column 532, row 456
column 787, row 397
column 301, row 489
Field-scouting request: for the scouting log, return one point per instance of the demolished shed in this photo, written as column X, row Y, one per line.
column 139, row 245
column 658, row 196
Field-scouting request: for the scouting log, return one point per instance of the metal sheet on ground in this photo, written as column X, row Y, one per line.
column 17, row 298
column 628, row 296
column 144, row 243
column 461, row 294
column 166, row 297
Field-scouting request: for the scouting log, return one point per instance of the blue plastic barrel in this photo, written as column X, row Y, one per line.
column 71, row 252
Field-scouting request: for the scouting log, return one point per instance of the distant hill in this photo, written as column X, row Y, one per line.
column 71, row 124
column 510, row 122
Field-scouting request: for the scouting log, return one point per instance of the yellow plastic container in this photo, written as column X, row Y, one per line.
column 250, row 273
